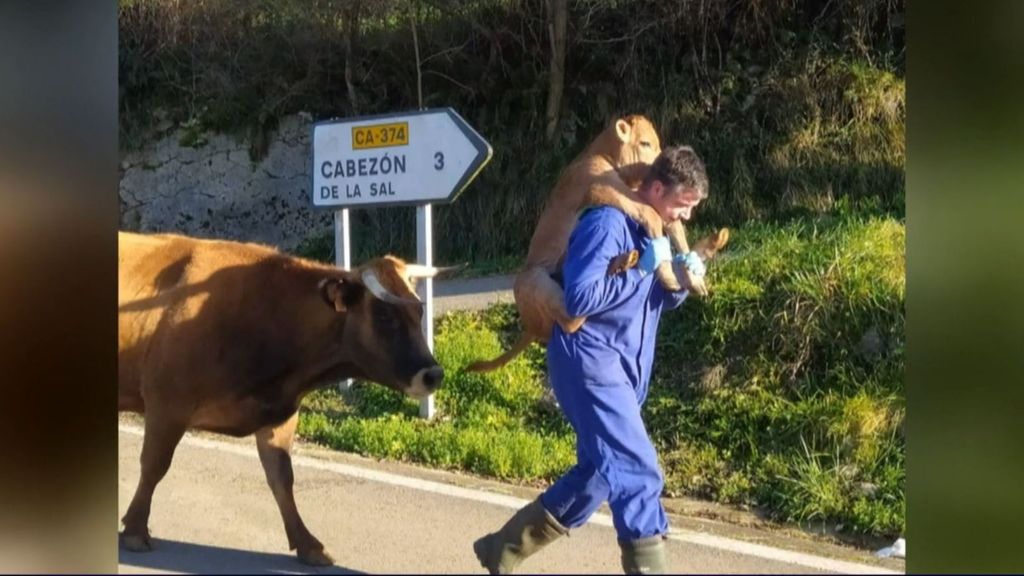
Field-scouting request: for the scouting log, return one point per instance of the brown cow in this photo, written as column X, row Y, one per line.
column 228, row 337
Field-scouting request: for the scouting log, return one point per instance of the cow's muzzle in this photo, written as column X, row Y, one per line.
column 426, row 381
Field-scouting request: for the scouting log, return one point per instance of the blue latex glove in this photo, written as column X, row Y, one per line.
column 692, row 262
column 657, row 251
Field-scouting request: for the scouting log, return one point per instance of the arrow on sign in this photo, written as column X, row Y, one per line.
column 424, row 157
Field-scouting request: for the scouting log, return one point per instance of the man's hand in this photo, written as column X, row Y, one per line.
column 690, row 272
column 691, row 260
column 657, row 251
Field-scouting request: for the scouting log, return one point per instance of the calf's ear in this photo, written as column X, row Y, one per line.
column 623, row 130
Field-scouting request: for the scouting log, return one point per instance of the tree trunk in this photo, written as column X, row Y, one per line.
column 557, row 19
column 413, row 15
column 351, row 37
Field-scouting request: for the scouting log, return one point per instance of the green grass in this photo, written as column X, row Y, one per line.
column 489, row 424
column 783, row 391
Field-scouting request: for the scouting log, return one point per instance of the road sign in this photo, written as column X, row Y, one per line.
column 413, row 158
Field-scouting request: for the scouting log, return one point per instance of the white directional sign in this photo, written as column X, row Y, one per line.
column 425, row 157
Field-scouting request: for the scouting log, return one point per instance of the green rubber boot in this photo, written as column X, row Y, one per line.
column 529, row 530
column 644, row 556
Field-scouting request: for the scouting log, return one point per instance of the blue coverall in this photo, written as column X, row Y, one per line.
column 600, row 376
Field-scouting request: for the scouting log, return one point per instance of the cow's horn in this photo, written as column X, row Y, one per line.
column 377, row 289
column 421, row 271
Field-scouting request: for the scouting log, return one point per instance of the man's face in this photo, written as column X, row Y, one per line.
column 673, row 204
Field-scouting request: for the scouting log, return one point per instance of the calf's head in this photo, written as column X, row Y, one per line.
column 630, row 140
column 381, row 322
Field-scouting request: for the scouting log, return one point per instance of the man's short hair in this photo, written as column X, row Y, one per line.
column 679, row 165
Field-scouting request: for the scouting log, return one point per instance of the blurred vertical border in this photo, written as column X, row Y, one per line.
column 965, row 286
column 58, row 286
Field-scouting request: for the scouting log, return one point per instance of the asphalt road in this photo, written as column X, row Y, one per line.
column 213, row 513
column 472, row 293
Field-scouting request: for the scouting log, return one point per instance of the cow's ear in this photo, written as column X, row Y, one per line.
column 339, row 293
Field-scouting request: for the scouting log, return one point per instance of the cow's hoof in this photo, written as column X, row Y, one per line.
column 136, row 542
column 316, row 557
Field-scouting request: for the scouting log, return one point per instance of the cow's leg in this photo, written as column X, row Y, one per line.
column 275, row 445
column 161, row 438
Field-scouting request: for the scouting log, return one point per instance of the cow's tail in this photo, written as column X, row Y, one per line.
column 487, row 365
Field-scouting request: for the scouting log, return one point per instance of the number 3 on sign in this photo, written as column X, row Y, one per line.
column 438, row 161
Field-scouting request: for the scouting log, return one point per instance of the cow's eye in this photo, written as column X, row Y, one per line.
column 645, row 144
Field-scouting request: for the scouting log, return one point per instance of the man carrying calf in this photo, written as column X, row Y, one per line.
column 600, row 376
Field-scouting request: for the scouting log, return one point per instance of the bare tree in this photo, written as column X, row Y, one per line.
column 557, row 20
column 351, row 16
column 413, row 16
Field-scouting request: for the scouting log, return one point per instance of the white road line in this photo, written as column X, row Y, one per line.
column 696, row 538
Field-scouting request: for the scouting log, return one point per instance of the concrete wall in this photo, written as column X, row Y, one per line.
column 216, row 190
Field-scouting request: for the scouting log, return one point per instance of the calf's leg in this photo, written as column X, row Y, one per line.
column 541, row 300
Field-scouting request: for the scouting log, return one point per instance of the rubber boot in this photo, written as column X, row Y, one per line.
column 529, row 530
column 644, row 556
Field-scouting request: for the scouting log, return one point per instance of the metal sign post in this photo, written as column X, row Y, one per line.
column 408, row 159
column 425, row 256
column 342, row 258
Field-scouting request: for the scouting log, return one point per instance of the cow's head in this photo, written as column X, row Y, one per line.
column 381, row 321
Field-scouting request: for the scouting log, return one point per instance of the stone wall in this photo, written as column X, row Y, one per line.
column 216, row 191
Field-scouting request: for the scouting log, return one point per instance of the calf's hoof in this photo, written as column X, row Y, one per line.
column 623, row 262
column 136, row 542
column 315, row 557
